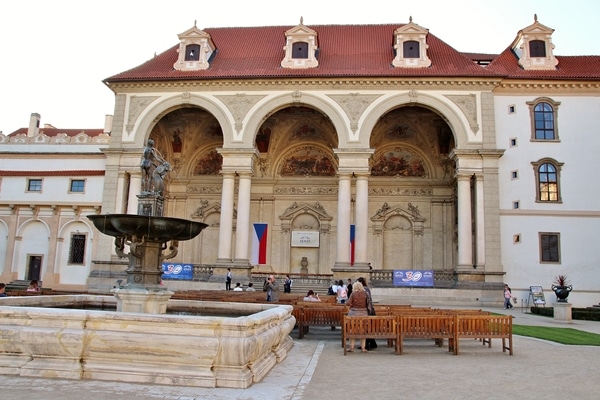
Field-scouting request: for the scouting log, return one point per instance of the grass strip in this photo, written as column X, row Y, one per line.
column 560, row 335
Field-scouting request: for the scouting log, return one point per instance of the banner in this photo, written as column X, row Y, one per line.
column 177, row 271
column 259, row 244
column 419, row 278
column 352, row 237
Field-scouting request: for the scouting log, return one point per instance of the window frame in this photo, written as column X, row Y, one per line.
column 535, row 45
column 71, row 181
column 537, row 165
column 30, row 181
column 189, row 55
column 532, row 112
column 70, row 259
column 411, row 53
column 300, row 50
column 541, row 236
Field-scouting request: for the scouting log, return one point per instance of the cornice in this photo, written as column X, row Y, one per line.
column 547, row 86
column 459, row 83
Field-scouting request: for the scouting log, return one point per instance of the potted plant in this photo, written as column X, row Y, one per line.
column 561, row 288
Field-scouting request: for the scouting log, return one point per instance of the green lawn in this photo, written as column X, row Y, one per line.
column 559, row 335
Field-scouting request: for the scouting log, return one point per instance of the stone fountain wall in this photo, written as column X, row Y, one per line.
column 142, row 348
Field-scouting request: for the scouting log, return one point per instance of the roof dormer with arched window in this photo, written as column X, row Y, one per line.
column 300, row 47
column 195, row 49
column 410, row 44
column 533, row 46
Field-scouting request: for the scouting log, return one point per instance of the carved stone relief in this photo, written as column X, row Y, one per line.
column 468, row 105
column 239, row 105
column 137, row 104
column 354, row 104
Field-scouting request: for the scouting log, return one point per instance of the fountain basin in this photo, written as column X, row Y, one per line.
column 40, row 341
column 159, row 229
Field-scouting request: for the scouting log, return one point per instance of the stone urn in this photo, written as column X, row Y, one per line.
column 561, row 288
column 304, row 265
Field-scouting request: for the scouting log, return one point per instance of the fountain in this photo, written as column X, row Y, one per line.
column 140, row 342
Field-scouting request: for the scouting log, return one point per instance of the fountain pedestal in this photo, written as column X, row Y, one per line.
column 139, row 300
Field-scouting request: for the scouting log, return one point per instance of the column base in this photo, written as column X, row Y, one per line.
column 563, row 312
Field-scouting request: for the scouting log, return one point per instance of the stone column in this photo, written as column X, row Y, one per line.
column 362, row 221
column 226, row 222
column 243, row 219
column 121, row 185
column 480, row 215
column 465, row 235
column 135, row 188
column 343, row 222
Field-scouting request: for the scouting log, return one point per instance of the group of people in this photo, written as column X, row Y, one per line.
column 33, row 287
column 357, row 296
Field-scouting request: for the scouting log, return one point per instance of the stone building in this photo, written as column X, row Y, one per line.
column 362, row 149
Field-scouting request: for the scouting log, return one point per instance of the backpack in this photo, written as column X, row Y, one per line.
column 330, row 291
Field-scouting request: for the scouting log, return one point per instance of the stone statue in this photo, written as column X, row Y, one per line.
column 154, row 169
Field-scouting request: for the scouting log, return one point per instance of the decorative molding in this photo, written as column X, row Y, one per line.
column 397, row 191
column 354, row 104
column 137, row 104
column 203, row 189
column 468, row 105
column 312, row 190
column 239, row 105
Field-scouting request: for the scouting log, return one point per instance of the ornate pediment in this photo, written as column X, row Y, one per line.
column 412, row 213
column 295, row 209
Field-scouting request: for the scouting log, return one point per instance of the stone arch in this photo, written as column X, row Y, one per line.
column 270, row 105
column 445, row 108
column 156, row 110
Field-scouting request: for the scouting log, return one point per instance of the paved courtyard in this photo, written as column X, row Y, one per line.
column 317, row 369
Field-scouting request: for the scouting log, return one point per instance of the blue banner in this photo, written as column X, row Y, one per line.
column 178, row 271
column 420, row 278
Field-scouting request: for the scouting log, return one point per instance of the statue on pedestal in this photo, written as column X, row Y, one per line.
column 154, row 169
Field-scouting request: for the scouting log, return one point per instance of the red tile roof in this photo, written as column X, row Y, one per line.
column 51, row 132
column 344, row 51
column 569, row 67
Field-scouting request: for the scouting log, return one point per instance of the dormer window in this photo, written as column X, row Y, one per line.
column 533, row 46
column 192, row 52
column 195, row 49
column 410, row 43
column 300, row 48
column 537, row 48
column 411, row 49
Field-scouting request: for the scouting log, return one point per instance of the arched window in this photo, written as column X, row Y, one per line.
column 410, row 49
column 543, row 119
column 192, row 52
column 300, row 50
column 537, row 48
column 547, row 174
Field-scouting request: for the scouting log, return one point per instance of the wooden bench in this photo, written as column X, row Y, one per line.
column 321, row 315
column 486, row 328
column 425, row 326
column 375, row 327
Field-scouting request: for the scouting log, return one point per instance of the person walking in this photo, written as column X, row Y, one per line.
column 342, row 293
column 228, row 279
column 357, row 306
column 507, row 297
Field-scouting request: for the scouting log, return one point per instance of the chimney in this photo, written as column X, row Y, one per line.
column 34, row 125
column 108, row 121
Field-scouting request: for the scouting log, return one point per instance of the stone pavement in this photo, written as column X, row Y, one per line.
column 317, row 369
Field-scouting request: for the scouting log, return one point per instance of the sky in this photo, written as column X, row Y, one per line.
column 54, row 54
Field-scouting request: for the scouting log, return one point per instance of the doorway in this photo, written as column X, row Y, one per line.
column 34, row 267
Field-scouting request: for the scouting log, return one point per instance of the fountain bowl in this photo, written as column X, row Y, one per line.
column 159, row 229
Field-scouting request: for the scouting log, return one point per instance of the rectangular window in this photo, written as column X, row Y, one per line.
column 77, row 186
column 514, row 174
column 550, row 248
column 77, row 249
column 512, row 109
column 513, row 142
column 515, row 205
column 34, row 185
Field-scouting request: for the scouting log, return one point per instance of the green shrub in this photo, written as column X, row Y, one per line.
column 586, row 314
